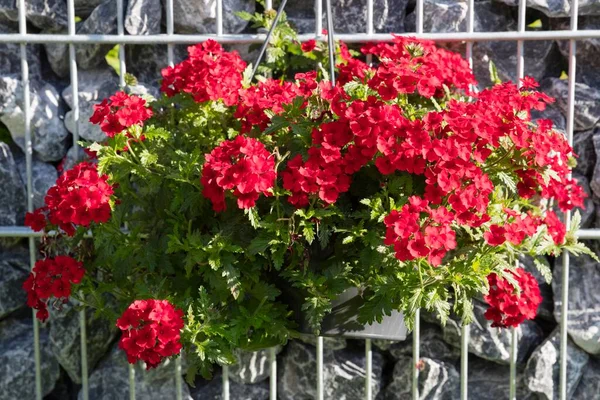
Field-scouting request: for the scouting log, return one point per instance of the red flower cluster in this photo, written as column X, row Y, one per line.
column 507, row 308
column 309, row 45
column 409, row 65
column 120, row 112
column 80, row 197
column 210, row 73
column 151, row 331
column 518, row 227
column 242, row 165
column 414, row 236
column 51, row 277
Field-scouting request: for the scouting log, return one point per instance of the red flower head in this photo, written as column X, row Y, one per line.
column 120, row 112
column 309, row 45
column 151, row 331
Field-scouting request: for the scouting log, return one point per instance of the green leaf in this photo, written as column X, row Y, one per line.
column 537, row 24
column 309, row 233
column 147, row 159
column 494, row 73
column 508, row 181
column 544, row 269
column 112, row 59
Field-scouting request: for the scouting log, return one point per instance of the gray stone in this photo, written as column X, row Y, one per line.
column 438, row 380
column 589, row 384
column 559, row 8
column 595, row 182
column 213, row 390
column 585, row 148
column 14, row 269
column 83, row 8
column 542, row 370
column 588, row 50
column 587, row 101
column 490, row 381
column 73, row 157
column 199, row 16
column 47, row 129
column 584, row 316
column 251, row 367
column 552, row 113
column 493, row 343
column 103, row 20
column 43, row 178
column 10, row 56
column 65, row 338
column 17, row 363
column 12, row 192
column 432, row 346
column 349, row 16
column 41, row 13
column 143, row 17
column 110, row 380
column 94, row 86
column 343, row 373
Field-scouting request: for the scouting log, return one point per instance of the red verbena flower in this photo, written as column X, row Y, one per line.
column 150, row 331
column 242, row 165
column 51, row 277
column 506, row 307
column 309, row 45
column 36, row 220
column 120, row 112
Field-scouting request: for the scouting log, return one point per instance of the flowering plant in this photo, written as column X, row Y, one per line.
column 209, row 203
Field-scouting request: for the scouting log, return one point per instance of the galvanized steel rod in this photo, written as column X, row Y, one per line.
column 219, row 18
column 170, row 30
column 565, row 261
column 28, row 166
column 368, row 370
column 43, row 38
column 263, row 48
column 121, row 34
column 330, row 41
column 131, row 382
column 225, row 381
column 513, row 364
column 320, row 388
column 318, row 19
column 272, row 374
column 370, row 28
column 178, row 381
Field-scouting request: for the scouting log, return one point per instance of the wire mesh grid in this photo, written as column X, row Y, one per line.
column 170, row 38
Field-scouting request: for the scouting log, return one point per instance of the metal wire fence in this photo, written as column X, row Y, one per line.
column 171, row 38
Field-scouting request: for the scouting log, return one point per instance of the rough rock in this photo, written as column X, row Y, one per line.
column 542, row 370
column 432, row 346
column 213, row 389
column 559, row 8
column 343, row 373
column 595, row 182
column 94, row 86
column 12, row 192
column 586, row 150
column 584, row 315
column 47, row 129
column 41, row 13
column 103, row 20
column 492, row 343
column 251, row 367
column 552, row 113
column 14, row 269
column 10, row 55
column 199, row 16
column 65, row 338
column 437, row 380
column 110, row 380
column 330, row 343
column 143, row 17
column 74, row 156
column 587, row 101
column 350, row 16
column 43, row 176
column 84, row 8
column 490, row 381
column 589, row 384
column 17, row 363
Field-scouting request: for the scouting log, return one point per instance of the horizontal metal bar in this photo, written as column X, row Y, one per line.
column 23, row 231
column 259, row 38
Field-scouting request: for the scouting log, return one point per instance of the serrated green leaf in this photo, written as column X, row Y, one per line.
column 147, row 159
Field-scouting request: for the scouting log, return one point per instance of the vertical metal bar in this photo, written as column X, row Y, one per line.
column 131, row 382
column 368, row 370
column 170, row 56
column 178, row 382
column 464, row 362
column 318, row 18
column 28, row 165
column 419, row 16
column 219, row 17
column 416, row 356
column 268, row 4
column 320, row 390
column 513, row 363
column 565, row 261
column 520, row 43
column 225, row 381
column 121, row 32
column 370, row 28
column 273, row 374
column 263, row 48
column 330, row 42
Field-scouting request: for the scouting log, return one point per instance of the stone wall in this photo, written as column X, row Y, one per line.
column 52, row 126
